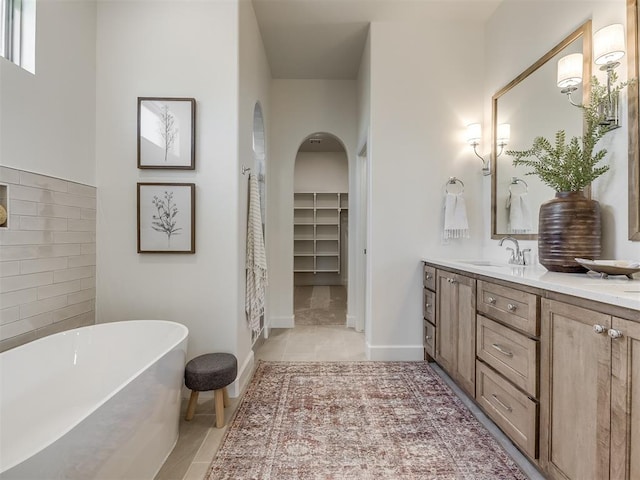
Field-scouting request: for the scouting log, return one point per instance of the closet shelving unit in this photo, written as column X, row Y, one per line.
column 316, row 231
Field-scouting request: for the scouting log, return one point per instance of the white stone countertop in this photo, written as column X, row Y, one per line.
column 615, row 290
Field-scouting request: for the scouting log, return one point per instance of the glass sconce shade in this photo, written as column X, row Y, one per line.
column 570, row 70
column 474, row 133
column 608, row 44
column 503, row 134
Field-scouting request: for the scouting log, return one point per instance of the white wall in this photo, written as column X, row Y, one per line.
column 420, row 103
column 254, row 78
column 47, row 120
column 514, row 41
column 298, row 109
column 170, row 49
column 321, row 172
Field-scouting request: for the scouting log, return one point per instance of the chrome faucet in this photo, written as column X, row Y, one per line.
column 517, row 255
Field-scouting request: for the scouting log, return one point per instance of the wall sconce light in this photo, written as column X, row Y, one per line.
column 474, row 134
column 503, row 136
column 608, row 48
column 570, row 75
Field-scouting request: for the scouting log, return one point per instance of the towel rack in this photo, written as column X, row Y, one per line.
column 453, row 181
column 516, row 181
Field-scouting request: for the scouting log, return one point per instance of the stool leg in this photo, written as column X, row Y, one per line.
column 191, row 408
column 219, row 401
column 225, row 396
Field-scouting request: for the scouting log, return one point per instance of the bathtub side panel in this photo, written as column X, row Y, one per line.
column 129, row 436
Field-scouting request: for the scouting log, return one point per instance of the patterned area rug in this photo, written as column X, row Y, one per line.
column 356, row 421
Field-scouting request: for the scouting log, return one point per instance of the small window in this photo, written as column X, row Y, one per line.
column 18, row 32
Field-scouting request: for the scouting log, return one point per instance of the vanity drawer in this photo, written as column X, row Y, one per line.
column 513, row 307
column 429, row 277
column 429, row 305
column 430, row 338
column 510, row 409
column 511, row 353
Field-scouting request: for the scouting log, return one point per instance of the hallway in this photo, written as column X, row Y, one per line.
column 320, row 305
column 320, row 333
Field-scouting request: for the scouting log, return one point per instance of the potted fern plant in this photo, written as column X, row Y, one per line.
column 569, row 224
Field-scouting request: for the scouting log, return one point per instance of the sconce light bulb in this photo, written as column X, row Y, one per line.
column 474, row 134
column 570, row 70
column 608, row 44
column 503, row 134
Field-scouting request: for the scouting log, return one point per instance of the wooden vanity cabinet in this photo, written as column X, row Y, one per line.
column 590, row 394
column 456, row 327
column 508, row 369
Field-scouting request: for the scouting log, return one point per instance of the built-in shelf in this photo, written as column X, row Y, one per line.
column 4, row 203
column 316, row 231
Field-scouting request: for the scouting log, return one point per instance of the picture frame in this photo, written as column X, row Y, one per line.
column 166, row 215
column 166, row 133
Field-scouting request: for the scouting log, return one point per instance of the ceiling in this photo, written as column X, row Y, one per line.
column 324, row 39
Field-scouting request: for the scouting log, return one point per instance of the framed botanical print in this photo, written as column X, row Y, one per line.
column 166, row 133
column 166, row 218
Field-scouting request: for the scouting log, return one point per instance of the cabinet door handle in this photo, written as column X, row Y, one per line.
column 511, row 307
column 452, row 280
column 502, row 350
column 599, row 328
column 427, row 305
column 491, row 300
column 613, row 333
column 428, row 276
column 427, row 337
column 501, row 403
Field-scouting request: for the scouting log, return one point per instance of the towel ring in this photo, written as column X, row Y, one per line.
column 516, row 181
column 453, row 181
column 245, row 170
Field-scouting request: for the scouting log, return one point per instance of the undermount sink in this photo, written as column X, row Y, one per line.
column 483, row 263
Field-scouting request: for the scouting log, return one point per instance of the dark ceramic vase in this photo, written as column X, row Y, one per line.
column 569, row 227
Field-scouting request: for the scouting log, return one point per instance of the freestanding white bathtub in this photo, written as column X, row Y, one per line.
column 98, row 402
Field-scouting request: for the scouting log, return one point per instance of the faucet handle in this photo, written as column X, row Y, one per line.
column 522, row 257
column 512, row 259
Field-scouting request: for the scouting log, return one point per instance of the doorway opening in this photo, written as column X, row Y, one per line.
column 259, row 167
column 320, row 231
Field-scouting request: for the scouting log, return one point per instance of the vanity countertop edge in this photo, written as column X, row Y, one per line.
column 618, row 291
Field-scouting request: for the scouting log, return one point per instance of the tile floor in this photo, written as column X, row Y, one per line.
column 199, row 439
column 320, row 305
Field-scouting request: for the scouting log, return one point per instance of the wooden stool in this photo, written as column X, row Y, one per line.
column 212, row 371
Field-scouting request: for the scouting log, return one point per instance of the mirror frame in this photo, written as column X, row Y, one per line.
column 633, row 17
column 584, row 32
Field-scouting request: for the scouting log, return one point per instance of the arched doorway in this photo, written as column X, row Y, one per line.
column 321, row 231
column 259, row 167
column 259, row 157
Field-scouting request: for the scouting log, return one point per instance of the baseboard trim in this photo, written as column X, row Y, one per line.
column 393, row 353
column 351, row 321
column 282, row 322
column 245, row 372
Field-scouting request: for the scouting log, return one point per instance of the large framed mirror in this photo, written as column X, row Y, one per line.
column 633, row 17
column 533, row 106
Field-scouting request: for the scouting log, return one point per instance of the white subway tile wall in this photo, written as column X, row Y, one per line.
column 47, row 257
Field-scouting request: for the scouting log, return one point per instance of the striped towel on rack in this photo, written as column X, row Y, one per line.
column 256, row 259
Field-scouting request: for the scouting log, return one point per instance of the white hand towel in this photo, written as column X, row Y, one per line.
column 256, row 259
column 456, row 224
column 519, row 213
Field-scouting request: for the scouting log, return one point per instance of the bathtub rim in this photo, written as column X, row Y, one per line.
column 60, row 433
